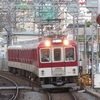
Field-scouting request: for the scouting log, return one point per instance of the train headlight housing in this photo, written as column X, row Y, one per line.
column 66, row 42
column 47, row 43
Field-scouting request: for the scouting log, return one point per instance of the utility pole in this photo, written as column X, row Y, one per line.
column 1, row 25
column 8, row 28
column 73, row 9
column 92, row 5
column 85, row 48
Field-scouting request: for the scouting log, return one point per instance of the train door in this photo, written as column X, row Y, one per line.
column 57, row 62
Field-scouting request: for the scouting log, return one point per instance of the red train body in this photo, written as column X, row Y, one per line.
column 53, row 61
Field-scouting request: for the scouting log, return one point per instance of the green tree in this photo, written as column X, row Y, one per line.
column 88, row 24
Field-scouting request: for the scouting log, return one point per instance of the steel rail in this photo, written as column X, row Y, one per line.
column 74, row 97
column 17, row 90
column 49, row 96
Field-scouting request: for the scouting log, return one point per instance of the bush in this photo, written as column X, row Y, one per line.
column 88, row 24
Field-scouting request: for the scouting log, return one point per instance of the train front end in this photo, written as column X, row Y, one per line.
column 58, row 63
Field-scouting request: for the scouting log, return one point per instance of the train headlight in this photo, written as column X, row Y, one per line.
column 47, row 43
column 66, row 42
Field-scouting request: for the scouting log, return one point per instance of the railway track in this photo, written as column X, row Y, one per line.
column 27, row 80
column 61, row 95
column 37, row 93
column 74, row 97
column 22, row 84
column 20, row 80
column 14, row 96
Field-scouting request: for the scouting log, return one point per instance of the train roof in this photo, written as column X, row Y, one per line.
column 27, row 41
column 15, row 47
column 73, row 42
column 30, row 46
column 34, row 43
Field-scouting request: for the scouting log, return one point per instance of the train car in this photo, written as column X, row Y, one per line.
column 53, row 61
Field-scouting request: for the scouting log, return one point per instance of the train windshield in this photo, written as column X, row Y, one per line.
column 69, row 54
column 45, row 55
column 57, row 54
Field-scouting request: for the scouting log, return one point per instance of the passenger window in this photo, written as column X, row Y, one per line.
column 57, row 54
column 45, row 55
column 69, row 54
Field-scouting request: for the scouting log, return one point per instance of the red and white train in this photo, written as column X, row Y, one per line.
column 54, row 61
